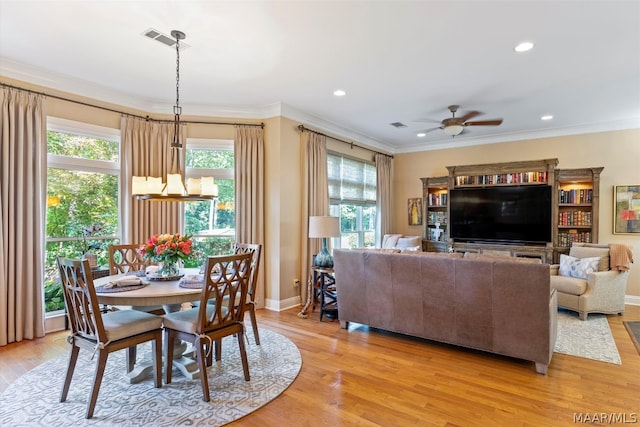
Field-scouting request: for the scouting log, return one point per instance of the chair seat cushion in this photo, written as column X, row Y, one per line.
column 125, row 323
column 569, row 285
column 187, row 320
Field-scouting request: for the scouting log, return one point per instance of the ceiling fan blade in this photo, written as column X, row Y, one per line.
column 495, row 122
column 429, row 130
column 469, row 115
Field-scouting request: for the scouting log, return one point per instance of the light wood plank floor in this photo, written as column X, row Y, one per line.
column 373, row 378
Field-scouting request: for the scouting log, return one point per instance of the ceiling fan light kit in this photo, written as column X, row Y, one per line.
column 453, row 130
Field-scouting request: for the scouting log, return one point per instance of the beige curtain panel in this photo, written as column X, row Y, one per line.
column 383, row 196
column 23, row 176
column 146, row 151
column 249, row 194
column 315, row 202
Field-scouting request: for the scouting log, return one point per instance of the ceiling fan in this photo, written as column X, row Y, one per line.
column 455, row 125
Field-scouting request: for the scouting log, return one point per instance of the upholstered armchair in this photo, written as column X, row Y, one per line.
column 587, row 281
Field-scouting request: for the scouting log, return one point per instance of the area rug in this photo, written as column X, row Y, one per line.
column 634, row 332
column 33, row 400
column 589, row 338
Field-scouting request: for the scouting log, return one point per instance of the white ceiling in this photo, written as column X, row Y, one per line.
column 398, row 61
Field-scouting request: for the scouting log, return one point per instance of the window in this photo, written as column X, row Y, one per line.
column 352, row 197
column 211, row 223
column 82, row 197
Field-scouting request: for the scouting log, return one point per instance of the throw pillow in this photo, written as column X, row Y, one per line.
column 577, row 267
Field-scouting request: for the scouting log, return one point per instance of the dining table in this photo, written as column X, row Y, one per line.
column 166, row 292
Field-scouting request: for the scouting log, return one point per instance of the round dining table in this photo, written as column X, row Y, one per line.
column 167, row 293
column 157, row 292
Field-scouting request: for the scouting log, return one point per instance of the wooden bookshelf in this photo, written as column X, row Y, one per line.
column 435, row 198
column 576, row 208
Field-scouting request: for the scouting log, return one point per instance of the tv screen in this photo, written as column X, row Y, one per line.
column 501, row 214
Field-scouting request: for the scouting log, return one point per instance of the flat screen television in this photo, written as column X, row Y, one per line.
column 501, row 214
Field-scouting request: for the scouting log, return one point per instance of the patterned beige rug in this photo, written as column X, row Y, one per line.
column 33, row 400
column 590, row 338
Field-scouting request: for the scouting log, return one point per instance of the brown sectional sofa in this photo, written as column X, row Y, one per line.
column 496, row 305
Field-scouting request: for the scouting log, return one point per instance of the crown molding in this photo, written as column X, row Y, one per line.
column 333, row 129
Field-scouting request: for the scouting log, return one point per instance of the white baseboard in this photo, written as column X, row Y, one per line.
column 54, row 323
column 277, row 305
column 632, row 299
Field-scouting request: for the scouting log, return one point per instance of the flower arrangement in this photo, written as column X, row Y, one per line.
column 167, row 249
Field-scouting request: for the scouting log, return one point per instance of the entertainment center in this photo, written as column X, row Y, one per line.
column 522, row 209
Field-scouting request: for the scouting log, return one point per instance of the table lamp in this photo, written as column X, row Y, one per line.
column 323, row 227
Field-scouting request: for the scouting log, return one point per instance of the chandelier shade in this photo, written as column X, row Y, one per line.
column 174, row 189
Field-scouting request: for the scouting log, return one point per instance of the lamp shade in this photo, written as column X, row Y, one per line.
column 324, row 226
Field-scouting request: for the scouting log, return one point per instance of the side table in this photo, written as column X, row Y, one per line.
column 324, row 290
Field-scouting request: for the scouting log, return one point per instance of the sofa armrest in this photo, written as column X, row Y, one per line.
column 554, row 268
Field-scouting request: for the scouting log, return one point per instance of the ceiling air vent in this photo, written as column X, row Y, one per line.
column 163, row 38
column 398, row 125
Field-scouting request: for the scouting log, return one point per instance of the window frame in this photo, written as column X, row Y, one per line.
column 76, row 164
column 335, row 203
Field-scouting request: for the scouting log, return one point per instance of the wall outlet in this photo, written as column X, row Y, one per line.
column 296, row 283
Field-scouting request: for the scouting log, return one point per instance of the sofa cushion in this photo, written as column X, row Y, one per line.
column 408, row 243
column 580, row 251
column 390, row 240
column 569, row 285
column 577, row 267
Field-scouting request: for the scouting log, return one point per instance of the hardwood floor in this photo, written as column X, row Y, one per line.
column 373, row 378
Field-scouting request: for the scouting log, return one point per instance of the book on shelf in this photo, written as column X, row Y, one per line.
column 575, row 196
column 578, row 218
column 437, row 199
column 505, row 178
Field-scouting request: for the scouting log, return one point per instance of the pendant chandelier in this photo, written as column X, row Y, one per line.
column 174, row 190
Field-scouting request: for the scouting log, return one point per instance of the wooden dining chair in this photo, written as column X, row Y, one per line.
column 125, row 259
column 101, row 333
column 226, row 279
column 250, row 302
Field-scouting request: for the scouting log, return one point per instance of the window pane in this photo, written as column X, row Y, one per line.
column 209, row 159
column 77, row 201
column 83, row 147
column 216, row 217
column 357, row 225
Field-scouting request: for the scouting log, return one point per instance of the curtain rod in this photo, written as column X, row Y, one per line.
column 302, row 128
column 62, row 98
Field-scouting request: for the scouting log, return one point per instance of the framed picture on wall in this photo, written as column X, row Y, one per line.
column 414, row 210
column 626, row 209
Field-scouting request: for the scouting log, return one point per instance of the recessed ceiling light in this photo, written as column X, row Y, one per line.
column 421, row 134
column 547, row 117
column 523, row 47
column 339, row 92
